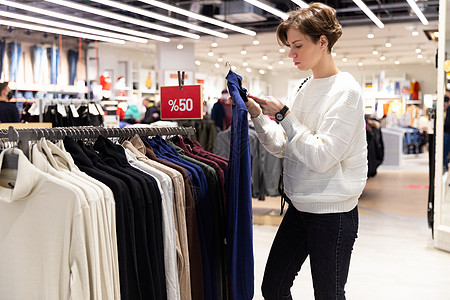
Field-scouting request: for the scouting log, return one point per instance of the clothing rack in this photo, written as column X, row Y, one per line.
column 22, row 137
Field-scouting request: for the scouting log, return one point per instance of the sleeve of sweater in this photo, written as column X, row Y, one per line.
column 320, row 150
column 271, row 135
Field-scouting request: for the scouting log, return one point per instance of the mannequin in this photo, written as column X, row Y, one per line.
column 414, row 89
column 106, row 83
column 120, row 86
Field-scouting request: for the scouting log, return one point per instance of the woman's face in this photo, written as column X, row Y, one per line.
column 304, row 52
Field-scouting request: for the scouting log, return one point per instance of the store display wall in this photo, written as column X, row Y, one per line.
column 25, row 68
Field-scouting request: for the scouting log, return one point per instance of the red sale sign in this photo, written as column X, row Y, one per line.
column 181, row 104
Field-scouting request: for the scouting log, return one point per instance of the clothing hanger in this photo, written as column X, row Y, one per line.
column 228, row 64
column 180, row 80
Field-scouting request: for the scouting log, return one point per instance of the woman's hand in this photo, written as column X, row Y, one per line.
column 269, row 106
column 253, row 109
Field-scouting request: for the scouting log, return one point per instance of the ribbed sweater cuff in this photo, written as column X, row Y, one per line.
column 261, row 120
column 292, row 126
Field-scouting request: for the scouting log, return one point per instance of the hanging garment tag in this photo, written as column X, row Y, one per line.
column 100, row 109
column 61, row 109
column 93, row 109
column 74, row 111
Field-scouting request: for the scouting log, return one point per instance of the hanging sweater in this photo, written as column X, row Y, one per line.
column 323, row 142
column 43, row 250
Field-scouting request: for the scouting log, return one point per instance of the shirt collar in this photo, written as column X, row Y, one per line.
column 26, row 177
column 138, row 144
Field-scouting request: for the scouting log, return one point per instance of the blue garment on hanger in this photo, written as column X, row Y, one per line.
column 239, row 197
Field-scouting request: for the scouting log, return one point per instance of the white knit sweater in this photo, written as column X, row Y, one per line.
column 323, row 142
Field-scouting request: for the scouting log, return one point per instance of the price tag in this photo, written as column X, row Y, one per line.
column 61, row 109
column 74, row 111
column 93, row 109
column 185, row 104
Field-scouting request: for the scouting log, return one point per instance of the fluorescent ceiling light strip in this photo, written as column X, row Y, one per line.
column 418, row 12
column 60, row 31
column 269, row 9
column 115, row 16
column 161, row 17
column 84, row 21
column 72, row 27
column 301, row 3
column 198, row 17
column 369, row 13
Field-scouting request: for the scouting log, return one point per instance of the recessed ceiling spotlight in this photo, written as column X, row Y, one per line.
column 180, row 46
column 382, row 57
column 282, row 50
column 360, row 63
column 248, row 70
column 370, row 35
column 428, row 61
column 197, row 62
column 270, row 67
column 220, row 59
column 397, row 62
column 388, row 44
column 333, row 54
column 420, row 56
column 210, row 53
column 414, row 32
column 233, row 68
column 280, row 62
column 262, row 72
column 265, row 57
column 245, row 63
column 255, row 41
column 344, row 59
column 214, row 44
column 217, row 65
column 418, row 50
column 375, row 52
column 243, row 51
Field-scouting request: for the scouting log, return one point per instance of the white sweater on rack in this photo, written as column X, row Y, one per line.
column 43, row 251
column 323, row 142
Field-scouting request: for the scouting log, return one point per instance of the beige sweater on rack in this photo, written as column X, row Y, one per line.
column 323, row 142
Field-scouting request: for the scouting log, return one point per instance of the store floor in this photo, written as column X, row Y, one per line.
column 393, row 257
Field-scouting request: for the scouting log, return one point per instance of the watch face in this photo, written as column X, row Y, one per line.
column 279, row 116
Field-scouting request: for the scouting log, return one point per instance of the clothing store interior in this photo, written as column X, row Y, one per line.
column 129, row 170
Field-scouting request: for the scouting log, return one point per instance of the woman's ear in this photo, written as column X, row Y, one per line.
column 323, row 42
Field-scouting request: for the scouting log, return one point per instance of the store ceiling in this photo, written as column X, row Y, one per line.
column 397, row 16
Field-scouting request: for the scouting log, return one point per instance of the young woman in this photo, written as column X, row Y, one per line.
column 321, row 135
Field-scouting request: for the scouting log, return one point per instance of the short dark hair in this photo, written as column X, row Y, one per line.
column 3, row 85
column 314, row 21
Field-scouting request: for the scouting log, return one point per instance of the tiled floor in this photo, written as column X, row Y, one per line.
column 393, row 256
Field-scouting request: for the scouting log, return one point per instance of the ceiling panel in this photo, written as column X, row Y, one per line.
column 396, row 15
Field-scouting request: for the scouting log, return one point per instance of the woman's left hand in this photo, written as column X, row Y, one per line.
column 269, row 105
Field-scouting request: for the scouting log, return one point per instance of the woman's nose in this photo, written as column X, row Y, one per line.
column 291, row 53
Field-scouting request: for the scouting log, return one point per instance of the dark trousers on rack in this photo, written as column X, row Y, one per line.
column 2, row 55
column 15, row 51
column 73, row 60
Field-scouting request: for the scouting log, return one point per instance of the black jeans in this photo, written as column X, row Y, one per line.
column 328, row 240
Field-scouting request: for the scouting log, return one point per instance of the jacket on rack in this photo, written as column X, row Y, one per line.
column 239, row 197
